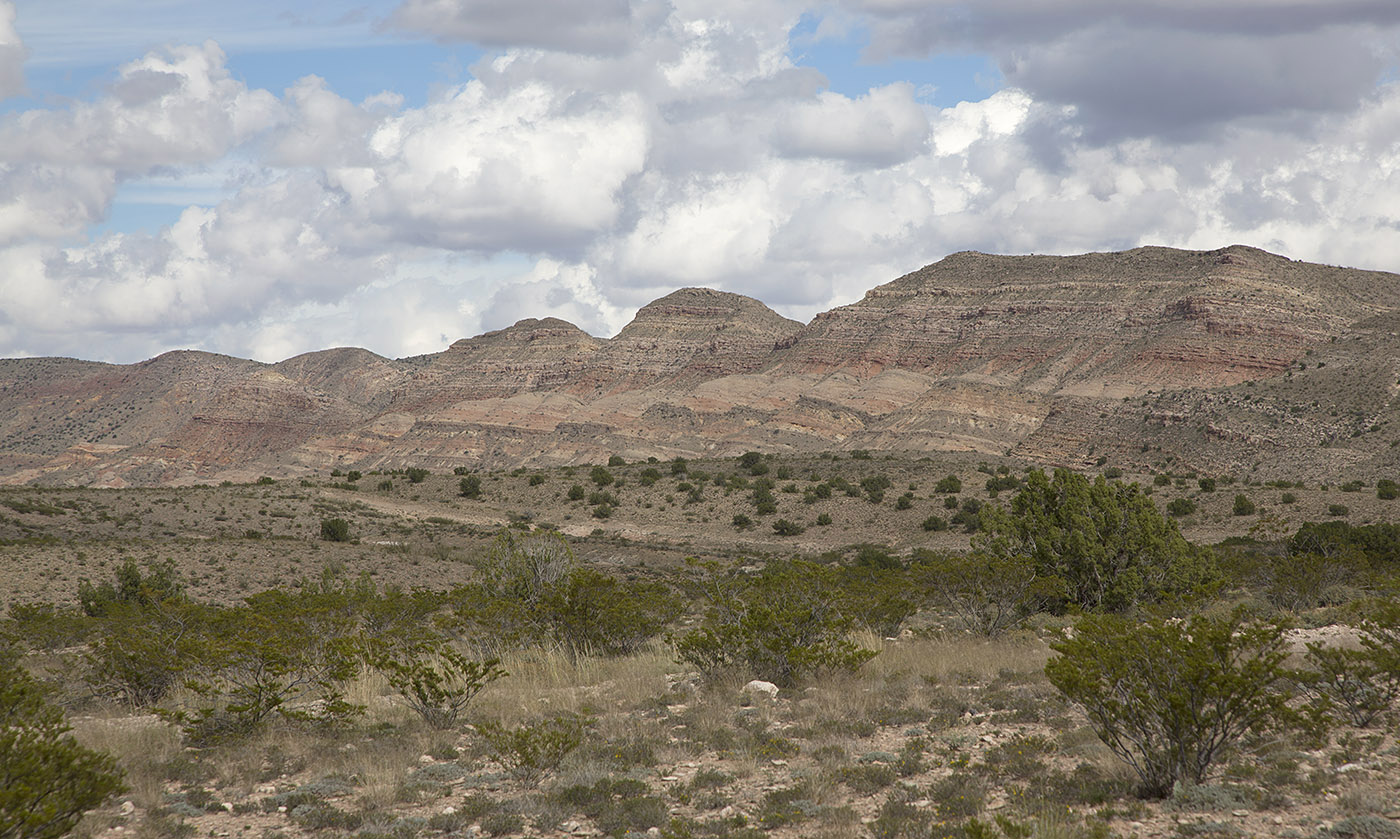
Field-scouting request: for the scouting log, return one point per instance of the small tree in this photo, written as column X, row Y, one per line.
column 600, row 476
column 417, row 475
column 47, row 780
column 1169, row 697
column 1243, row 506
column 470, row 487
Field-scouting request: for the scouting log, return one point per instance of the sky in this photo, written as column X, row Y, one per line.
column 399, row 174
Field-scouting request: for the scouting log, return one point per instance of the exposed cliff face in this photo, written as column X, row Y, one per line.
column 1233, row 359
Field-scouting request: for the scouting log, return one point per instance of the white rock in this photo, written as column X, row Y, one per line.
column 654, row 832
column 1349, row 767
column 128, row 808
column 768, row 689
column 448, row 810
column 425, row 759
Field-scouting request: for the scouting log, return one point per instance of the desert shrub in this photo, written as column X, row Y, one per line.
column 47, row 780
column 783, row 527
column 131, row 588
column 1105, row 541
column 742, row 522
column 997, row 483
column 935, row 524
column 603, row 511
column 781, row 625
column 1180, row 507
column 437, row 684
column 988, row 592
column 141, row 654
column 617, row 805
column 577, row 492
column 532, row 750
column 335, row 530
column 470, row 487
column 416, row 475
column 600, row 477
column 1350, row 684
column 1206, row 484
column 1169, row 697
column 616, row 460
column 905, row 501
column 43, row 626
column 648, row 477
column 951, row 485
column 280, row 653
column 679, row 466
column 385, row 485
column 823, row 519
column 536, row 480
column 874, row 487
column 1287, row 498
column 1387, row 490
column 1242, row 506
column 592, row 613
column 1333, row 538
column 522, row 567
column 1338, row 510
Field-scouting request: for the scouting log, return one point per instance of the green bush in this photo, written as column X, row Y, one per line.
column 617, row 460
column 823, row 519
column 532, row 750
column 781, row 625
column 951, row 485
column 436, row 684
column 874, row 487
column 592, row 613
column 935, row 524
column 1387, row 490
column 742, row 522
column 783, row 527
column 905, row 501
column 416, row 475
column 600, row 476
column 1206, row 484
column 470, row 487
column 47, row 780
column 1338, row 510
column 577, row 492
column 1180, row 507
column 1169, row 697
column 1105, row 541
column 335, row 530
column 131, row 588
column 1242, row 506
column 679, row 466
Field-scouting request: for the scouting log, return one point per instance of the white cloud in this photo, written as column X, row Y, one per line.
column 884, row 127
column 584, row 181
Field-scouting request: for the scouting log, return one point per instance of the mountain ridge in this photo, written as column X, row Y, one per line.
column 1208, row 360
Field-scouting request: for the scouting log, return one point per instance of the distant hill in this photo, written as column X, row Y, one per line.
column 1233, row 360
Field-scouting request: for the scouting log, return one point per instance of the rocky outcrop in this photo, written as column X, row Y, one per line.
column 1231, row 359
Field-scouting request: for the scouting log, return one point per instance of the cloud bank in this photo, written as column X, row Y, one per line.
column 602, row 156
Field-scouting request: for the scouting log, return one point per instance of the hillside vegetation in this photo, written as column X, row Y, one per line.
column 850, row 644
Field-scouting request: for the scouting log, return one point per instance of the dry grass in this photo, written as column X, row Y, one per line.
column 143, row 745
column 544, row 682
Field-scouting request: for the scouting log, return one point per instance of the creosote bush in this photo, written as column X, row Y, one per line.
column 1170, row 697
column 47, row 780
column 335, row 530
column 781, row 625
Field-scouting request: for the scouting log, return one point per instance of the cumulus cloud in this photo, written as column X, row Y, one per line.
column 582, row 175
column 884, row 127
column 12, row 52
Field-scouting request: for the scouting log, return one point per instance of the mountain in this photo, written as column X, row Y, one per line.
column 1228, row 360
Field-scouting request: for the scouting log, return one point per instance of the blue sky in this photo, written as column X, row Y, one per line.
column 398, row 174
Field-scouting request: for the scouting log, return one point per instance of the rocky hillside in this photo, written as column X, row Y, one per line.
column 1227, row 360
